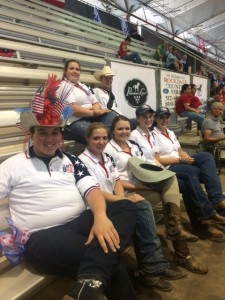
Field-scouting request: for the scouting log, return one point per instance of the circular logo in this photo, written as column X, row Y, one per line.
column 135, row 92
column 165, row 91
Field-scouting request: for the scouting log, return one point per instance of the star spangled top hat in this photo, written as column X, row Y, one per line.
column 46, row 108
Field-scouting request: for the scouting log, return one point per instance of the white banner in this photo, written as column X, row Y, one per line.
column 170, row 87
column 202, row 88
column 133, row 85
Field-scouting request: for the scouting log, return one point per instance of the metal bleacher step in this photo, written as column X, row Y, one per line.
column 190, row 141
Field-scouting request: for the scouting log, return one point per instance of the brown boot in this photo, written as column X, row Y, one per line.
column 182, row 258
column 208, row 231
column 174, row 230
column 216, row 219
column 190, row 264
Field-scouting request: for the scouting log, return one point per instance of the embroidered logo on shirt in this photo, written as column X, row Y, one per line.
column 68, row 168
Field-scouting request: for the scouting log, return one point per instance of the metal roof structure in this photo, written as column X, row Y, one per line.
column 198, row 23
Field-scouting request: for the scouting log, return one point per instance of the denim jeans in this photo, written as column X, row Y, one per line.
column 135, row 57
column 147, row 245
column 203, row 170
column 62, row 250
column 77, row 129
column 196, row 117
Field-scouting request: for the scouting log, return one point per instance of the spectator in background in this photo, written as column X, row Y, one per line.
column 218, row 94
column 223, row 93
column 220, row 80
column 183, row 61
column 134, row 33
column 188, row 105
column 172, row 61
column 201, row 71
column 123, row 52
column 212, row 128
column 161, row 51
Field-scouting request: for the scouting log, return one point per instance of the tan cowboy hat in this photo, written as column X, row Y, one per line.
column 146, row 172
column 106, row 71
column 29, row 120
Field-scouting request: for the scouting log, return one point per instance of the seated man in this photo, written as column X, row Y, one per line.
column 123, row 52
column 50, row 193
column 161, row 52
column 172, row 61
column 212, row 128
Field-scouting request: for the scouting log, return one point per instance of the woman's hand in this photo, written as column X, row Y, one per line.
column 185, row 158
column 104, row 230
column 99, row 112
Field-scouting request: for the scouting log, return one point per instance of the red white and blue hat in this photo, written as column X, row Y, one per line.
column 47, row 109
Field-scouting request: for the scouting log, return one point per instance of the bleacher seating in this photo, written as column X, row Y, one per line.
column 43, row 38
column 37, row 27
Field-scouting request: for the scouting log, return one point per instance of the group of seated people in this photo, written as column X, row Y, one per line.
column 83, row 212
column 189, row 105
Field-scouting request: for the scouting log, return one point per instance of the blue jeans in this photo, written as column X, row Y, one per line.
column 61, row 249
column 198, row 118
column 77, row 130
column 147, row 245
column 135, row 57
column 203, row 170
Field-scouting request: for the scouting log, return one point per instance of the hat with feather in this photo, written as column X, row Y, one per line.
column 47, row 108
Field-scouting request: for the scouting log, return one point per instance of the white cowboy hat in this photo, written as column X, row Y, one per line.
column 106, row 71
column 146, row 172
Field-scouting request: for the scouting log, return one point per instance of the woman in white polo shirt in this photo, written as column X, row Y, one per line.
column 200, row 168
column 152, row 266
column 86, row 108
column 121, row 149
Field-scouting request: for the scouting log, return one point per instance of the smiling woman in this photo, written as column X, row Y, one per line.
column 86, row 108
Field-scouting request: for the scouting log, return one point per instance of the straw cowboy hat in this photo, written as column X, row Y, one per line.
column 146, row 172
column 106, row 71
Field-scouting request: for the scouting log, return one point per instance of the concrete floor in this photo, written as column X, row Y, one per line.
column 193, row 287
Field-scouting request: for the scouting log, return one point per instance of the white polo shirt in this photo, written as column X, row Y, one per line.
column 79, row 96
column 146, row 143
column 121, row 158
column 41, row 197
column 167, row 146
column 106, row 175
column 103, row 99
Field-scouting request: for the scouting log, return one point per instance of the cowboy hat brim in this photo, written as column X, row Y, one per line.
column 146, row 172
column 99, row 73
column 29, row 120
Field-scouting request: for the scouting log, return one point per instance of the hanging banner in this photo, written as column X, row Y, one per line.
column 170, row 87
column 96, row 17
column 202, row 85
column 124, row 26
column 133, row 85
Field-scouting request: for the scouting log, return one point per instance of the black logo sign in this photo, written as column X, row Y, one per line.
column 135, row 93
